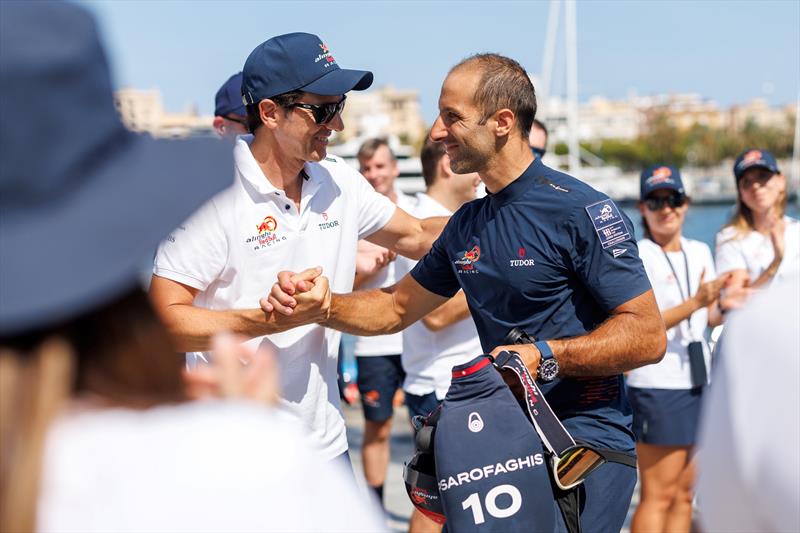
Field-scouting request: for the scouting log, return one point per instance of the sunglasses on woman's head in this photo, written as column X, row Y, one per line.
column 323, row 113
column 657, row 203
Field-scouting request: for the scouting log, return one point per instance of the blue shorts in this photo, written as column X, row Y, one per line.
column 605, row 498
column 665, row 417
column 379, row 377
column 421, row 405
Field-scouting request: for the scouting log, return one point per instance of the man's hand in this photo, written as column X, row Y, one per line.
column 530, row 358
column 371, row 258
column 305, row 296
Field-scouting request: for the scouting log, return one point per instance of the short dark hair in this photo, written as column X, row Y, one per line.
column 432, row 153
column 540, row 125
column 504, row 84
column 281, row 100
column 370, row 146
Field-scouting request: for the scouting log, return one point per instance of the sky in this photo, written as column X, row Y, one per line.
column 727, row 51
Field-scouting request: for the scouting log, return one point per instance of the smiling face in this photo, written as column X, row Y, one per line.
column 666, row 221
column 468, row 141
column 299, row 136
column 380, row 169
column 761, row 190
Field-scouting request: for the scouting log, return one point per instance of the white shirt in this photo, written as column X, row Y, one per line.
column 429, row 356
column 753, row 251
column 386, row 276
column 748, row 463
column 673, row 371
column 201, row 466
column 233, row 248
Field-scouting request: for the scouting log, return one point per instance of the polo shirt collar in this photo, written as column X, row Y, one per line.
column 519, row 186
column 249, row 170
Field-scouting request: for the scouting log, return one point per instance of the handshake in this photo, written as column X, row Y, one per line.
column 303, row 298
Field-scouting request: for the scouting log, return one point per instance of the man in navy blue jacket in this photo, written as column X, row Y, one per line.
column 544, row 252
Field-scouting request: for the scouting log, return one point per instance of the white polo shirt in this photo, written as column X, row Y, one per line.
column 233, row 248
column 384, row 344
column 429, row 356
column 673, row 371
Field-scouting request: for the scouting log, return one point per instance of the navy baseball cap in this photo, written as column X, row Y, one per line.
column 229, row 98
column 754, row 158
column 660, row 177
column 297, row 61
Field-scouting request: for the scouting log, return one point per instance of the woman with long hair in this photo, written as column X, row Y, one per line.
column 97, row 431
column 666, row 396
column 760, row 243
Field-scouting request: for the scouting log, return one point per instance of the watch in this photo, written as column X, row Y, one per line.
column 548, row 366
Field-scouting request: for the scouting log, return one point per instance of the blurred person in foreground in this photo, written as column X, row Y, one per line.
column 230, row 115
column 447, row 336
column 666, row 397
column 380, row 372
column 97, row 432
column 749, row 465
column 543, row 252
column 291, row 206
column 537, row 138
column 760, row 244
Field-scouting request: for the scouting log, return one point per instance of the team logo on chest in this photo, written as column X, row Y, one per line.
column 267, row 234
column 465, row 264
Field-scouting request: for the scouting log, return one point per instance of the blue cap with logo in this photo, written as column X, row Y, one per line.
column 297, row 61
column 660, row 177
column 229, row 98
column 754, row 158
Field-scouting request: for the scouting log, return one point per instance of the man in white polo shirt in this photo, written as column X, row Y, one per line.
column 291, row 205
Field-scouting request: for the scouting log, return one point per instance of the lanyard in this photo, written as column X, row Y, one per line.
column 550, row 429
column 686, row 266
column 680, row 289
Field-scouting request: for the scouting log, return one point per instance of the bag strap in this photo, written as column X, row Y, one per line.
column 554, row 435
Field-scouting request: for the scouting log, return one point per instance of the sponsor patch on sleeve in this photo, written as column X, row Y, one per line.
column 608, row 223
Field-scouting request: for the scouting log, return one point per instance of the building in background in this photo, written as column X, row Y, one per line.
column 142, row 111
column 384, row 112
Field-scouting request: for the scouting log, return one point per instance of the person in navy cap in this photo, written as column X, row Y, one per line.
column 760, row 243
column 230, row 116
column 291, row 206
column 544, row 252
column 97, row 430
column 666, row 397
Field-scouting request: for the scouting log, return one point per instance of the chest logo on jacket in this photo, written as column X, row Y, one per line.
column 522, row 261
column 466, row 262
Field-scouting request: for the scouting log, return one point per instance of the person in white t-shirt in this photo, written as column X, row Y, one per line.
column 760, row 244
column 446, row 337
column 291, row 205
column 666, row 396
column 380, row 373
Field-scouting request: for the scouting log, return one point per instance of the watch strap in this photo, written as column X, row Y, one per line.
column 544, row 349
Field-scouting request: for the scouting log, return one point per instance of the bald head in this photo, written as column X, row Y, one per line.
column 504, row 84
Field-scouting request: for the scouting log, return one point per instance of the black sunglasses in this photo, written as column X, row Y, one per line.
column 323, row 113
column 658, row 203
column 538, row 152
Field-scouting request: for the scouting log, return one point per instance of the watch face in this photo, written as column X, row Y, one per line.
column 548, row 370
